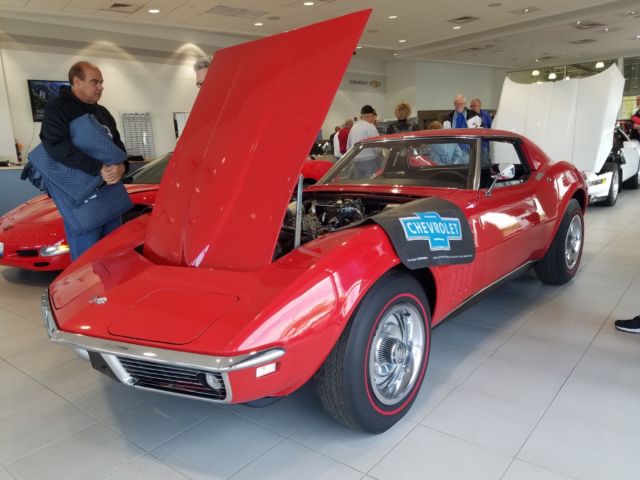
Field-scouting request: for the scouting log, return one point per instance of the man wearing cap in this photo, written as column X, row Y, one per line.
column 364, row 128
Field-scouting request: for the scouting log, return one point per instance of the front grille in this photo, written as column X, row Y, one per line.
column 169, row 378
column 27, row 253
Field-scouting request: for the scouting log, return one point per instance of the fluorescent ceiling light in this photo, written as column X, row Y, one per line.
column 153, row 10
column 552, row 76
column 535, row 73
column 599, row 64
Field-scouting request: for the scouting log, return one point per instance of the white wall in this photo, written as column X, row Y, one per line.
column 401, row 82
column 438, row 83
column 129, row 86
column 349, row 100
column 7, row 144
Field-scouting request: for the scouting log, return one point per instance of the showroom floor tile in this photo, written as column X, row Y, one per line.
column 531, row 383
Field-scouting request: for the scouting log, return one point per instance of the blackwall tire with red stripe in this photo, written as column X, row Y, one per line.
column 372, row 376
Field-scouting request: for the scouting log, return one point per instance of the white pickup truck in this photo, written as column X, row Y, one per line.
column 575, row 120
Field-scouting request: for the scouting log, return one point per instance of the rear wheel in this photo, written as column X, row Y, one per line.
column 371, row 377
column 561, row 262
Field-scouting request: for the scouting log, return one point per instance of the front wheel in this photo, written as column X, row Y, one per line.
column 561, row 262
column 614, row 187
column 371, row 377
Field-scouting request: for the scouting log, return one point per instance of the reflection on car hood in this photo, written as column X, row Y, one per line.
column 40, row 209
column 227, row 186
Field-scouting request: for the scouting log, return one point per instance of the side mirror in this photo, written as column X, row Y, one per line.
column 506, row 171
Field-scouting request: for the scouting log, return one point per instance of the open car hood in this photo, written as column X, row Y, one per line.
column 227, row 186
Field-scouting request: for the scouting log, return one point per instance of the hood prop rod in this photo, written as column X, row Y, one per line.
column 298, row 232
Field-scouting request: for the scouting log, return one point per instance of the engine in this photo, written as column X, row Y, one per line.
column 320, row 216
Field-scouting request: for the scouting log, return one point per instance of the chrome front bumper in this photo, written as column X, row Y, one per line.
column 113, row 353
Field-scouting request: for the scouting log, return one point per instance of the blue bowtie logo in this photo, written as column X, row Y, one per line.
column 432, row 227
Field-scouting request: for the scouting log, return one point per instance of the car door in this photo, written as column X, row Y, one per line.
column 508, row 214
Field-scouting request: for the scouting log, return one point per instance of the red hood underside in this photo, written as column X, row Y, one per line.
column 226, row 189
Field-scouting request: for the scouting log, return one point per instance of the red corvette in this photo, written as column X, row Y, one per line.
column 228, row 293
column 32, row 235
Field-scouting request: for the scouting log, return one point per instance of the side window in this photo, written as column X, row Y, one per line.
column 438, row 153
column 499, row 152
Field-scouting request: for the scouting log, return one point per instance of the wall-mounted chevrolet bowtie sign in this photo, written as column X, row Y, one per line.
column 364, row 82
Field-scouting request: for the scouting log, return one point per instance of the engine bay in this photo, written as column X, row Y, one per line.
column 322, row 215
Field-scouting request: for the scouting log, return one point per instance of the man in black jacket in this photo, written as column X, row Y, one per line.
column 73, row 102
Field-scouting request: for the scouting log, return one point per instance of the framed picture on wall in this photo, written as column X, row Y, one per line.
column 40, row 92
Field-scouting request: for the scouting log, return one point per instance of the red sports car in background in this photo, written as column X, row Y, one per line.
column 32, row 235
column 229, row 293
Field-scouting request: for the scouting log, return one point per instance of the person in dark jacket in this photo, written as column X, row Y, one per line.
column 476, row 106
column 461, row 116
column 73, row 102
column 403, row 112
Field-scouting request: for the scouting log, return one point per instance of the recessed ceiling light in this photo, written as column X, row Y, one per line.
column 535, row 73
column 525, row 10
column 153, row 10
column 552, row 76
column 578, row 22
column 567, row 77
column 457, row 27
column 637, row 37
column 392, row 17
column 605, row 29
column 631, row 12
column 308, row 4
column 395, row 54
column 402, row 41
column 599, row 64
column 258, row 24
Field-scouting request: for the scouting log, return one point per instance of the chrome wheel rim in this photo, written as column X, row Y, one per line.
column 396, row 354
column 573, row 242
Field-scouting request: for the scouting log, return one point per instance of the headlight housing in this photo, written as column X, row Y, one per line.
column 54, row 250
column 597, row 181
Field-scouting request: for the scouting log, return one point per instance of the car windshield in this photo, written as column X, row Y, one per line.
column 432, row 162
column 150, row 174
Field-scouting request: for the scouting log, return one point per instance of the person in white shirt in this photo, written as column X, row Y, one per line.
column 366, row 162
column 363, row 128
